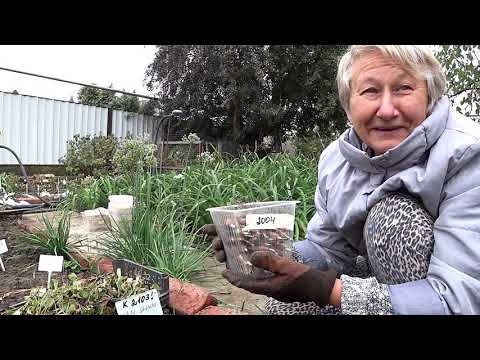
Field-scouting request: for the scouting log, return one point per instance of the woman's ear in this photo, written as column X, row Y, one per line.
column 349, row 117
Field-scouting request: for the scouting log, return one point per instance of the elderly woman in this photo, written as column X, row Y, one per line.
column 400, row 188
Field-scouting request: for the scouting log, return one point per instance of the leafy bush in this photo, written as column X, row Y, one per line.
column 134, row 154
column 90, row 156
column 94, row 296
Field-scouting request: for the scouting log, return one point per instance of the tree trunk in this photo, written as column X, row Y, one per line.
column 236, row 127
column 236, row 119
column 277, row 143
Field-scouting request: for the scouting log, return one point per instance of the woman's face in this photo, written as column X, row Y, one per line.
column 386, row 102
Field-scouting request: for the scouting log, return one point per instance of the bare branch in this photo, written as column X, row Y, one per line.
column 464, row 90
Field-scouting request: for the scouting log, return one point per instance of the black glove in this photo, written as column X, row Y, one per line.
column 211, row 231
column 292, row 281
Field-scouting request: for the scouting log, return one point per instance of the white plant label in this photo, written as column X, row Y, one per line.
column 3, row 249
column 269, row 221
column 50, row 263
column 3, row 246
column 146, row 303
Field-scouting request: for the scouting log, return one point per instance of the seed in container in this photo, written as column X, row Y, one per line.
column 247, row 235
column 231, row 223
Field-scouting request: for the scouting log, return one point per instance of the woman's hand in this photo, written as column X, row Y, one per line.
column 291, row 281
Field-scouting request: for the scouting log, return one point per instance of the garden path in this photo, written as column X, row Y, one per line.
column 227, row 294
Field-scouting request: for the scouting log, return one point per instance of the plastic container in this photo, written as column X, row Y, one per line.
column 150, row 276
column 121, row 200
column 249, row 227
column 120, row 207
column 97, row 219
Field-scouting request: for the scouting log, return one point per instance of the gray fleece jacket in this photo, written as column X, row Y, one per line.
column 440, row 163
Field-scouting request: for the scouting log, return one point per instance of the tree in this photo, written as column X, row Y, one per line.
column 461, row 64
column 303, row 89
column 243, row 93
column 126, row 103
column 210, row 83
column 96, row 97
column 107, row 98
column 148, row 107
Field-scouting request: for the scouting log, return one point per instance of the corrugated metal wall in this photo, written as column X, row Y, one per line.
column 37, row 129
column 124, row 123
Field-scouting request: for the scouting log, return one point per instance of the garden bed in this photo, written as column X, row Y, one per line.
column 169, row 210
column 208, row 294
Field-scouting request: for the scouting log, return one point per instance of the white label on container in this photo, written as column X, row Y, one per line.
column 50, row 263
column 3, row 246
column 146, row 303
column 269, row 221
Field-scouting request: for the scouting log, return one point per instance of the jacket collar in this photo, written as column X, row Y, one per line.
column 409, row 152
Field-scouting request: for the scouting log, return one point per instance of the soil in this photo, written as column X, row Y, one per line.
column 20, row 266
column 21, row 263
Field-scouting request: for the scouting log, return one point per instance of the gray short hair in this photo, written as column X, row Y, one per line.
column 418, row 60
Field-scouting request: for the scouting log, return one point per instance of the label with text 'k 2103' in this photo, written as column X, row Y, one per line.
column 146, row 303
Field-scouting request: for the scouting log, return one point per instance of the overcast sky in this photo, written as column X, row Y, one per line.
column 121, row 65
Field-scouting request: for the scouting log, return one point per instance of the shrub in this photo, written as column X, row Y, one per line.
column 134, row 154
column 90, row 156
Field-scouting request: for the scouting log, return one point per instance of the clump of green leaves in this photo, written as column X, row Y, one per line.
column 9, row 183
column 158, row 235
column 93, row 296
column 53, row 239
column 87, row 193
column 248, row 179
column 90, row 193
column 90, row 156
column 134, row 154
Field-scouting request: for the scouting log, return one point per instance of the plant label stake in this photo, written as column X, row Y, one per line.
column 50, row 263
column 146, row 303
column 3, row 249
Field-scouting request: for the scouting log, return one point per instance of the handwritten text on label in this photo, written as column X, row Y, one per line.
column 269, row 221
column 146, row 303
